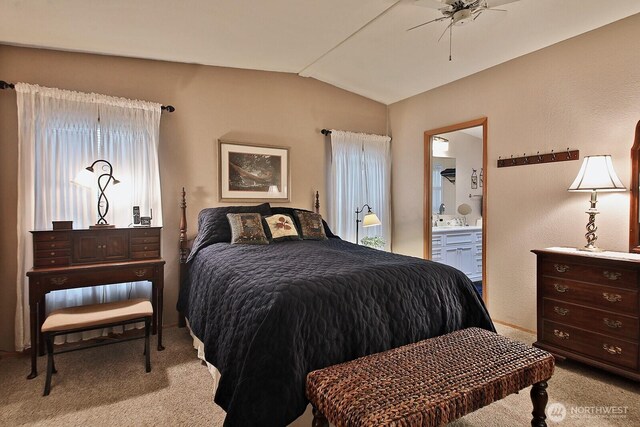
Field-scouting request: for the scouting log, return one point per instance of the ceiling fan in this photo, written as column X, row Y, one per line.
column 459, row 12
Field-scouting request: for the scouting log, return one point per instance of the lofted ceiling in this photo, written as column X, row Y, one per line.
column 358, row 45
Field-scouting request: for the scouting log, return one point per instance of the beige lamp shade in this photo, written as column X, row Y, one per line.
column 597, row 173
column 370, row 219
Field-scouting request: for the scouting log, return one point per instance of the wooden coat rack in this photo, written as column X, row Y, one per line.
column 552, row 157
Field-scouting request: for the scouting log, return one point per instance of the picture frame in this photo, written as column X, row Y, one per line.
column 249, row 172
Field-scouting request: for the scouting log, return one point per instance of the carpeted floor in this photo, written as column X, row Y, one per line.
column 107, row 386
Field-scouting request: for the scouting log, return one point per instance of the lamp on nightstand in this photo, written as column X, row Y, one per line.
column 596, row 174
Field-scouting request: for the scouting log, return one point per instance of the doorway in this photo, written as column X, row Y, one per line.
column 455, row 198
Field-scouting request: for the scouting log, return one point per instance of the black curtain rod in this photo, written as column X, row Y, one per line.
column 6, row 85
column 325, row 132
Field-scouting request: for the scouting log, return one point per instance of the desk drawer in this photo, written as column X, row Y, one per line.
column 80, row 279
column 145, row 247
column 145, row 232
column 56, row 244
column 145, row 254
column 601, row 321
column 51, row 236
column 610, row 276
column 51, row 262
column 603, row 297
column 142, row 240
column 612, row 350
column 53, row 253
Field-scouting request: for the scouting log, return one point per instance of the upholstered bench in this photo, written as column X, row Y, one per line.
column 429, row 383
column 95, row 316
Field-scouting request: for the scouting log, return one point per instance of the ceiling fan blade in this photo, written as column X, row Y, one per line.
column 432, row 4
column 428, row 22
column 445, row 31
column 495, row 10
column 494, row 3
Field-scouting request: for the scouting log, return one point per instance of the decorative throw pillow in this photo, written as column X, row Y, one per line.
column 213, row 225
column 291, row 213
column 311, row 226
column 247, row 228
column 280, row 227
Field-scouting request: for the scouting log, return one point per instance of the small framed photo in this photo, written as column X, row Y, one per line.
column 251, row 172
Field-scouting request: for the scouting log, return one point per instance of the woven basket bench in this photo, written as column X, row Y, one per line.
column 95, row 316
column 430, row 383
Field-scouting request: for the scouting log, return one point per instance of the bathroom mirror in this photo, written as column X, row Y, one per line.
column 634, row 219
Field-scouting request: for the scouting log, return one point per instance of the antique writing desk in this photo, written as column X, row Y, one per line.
column 67, row 259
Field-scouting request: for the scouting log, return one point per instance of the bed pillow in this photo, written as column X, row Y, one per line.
column 291, row 213
column 213, row 225
column 311, row 227
column 280, row 227
column 246, row 228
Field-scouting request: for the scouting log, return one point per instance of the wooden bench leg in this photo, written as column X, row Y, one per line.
column 50, row 366
column 147, row 353
column 319, row 420
column 539, row 399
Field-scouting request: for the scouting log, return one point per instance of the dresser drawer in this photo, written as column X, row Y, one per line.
column 78, row 279
column 601, row 321
column 612, row 350
column 603, row 297
column 611, row 276
column 55, row 244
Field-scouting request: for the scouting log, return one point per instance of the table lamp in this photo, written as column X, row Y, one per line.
column 596, row 174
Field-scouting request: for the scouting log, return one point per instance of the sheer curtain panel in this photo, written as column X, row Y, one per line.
column 360, row 173
column 59, row 133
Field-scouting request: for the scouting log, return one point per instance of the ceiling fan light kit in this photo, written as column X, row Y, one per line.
column 459, row 12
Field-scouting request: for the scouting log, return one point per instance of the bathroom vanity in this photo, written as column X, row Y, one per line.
column 459, row 247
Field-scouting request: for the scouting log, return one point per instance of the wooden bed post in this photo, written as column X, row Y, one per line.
column 184, row 251
column 317, row 204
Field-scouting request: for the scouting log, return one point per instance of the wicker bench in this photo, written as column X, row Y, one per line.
column 430, row 383
column 95, row 316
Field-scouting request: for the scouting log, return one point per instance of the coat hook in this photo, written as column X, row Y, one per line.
column 513, row 161
column 553, row 156
column 526, row 159
column 539, row 157
column 568, row 153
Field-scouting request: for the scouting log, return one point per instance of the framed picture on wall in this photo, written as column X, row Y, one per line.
column 251, row 172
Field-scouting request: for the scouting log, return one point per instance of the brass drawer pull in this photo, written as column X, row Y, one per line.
column 59, row 280
column 140, row 272
column 561, row 288
column 611, row 349
column 561, row 334
column 613, row 324
column 561, row 311
column 612, row 275
column 612, row 297
column 561, row 268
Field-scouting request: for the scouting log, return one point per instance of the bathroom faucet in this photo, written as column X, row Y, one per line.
column 441, row 209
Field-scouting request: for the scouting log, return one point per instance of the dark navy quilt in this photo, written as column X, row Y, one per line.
column 269, row 314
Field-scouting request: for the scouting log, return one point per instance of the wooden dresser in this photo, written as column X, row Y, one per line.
column 589, row 306
column 67, row 259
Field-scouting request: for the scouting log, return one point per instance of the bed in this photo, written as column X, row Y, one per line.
column 269, row 314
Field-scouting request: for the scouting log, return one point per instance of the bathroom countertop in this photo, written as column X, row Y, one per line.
column 450, row 228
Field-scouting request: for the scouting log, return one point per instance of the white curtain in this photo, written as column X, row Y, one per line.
column 360, row 174
column 60, row 133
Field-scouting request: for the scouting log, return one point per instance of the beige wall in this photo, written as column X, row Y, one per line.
column 211, row 103
column 583, row 93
